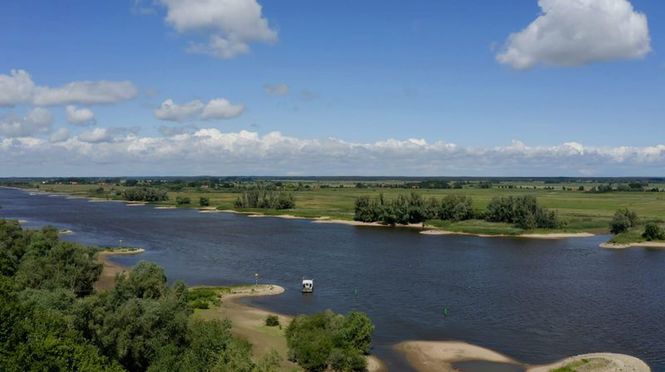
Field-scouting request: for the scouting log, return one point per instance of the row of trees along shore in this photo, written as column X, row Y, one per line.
column 52, row 319
column 265, row 199
column 522, row 211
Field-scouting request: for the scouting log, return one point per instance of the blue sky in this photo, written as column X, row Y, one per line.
column 361, row 72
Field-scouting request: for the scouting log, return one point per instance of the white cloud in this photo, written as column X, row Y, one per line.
column 79, row 116
column 231, row 25
column 212, row 151
column 60, row 135
column 96, row 135
column 37, row 121
column 220, row 108
column 15, row 88
column 86, row 92
column 169, row 110
column 578, row 32
column 280, row 89
column 18, row 87
column 217, row 108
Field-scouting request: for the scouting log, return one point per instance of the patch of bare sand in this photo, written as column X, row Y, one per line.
column 526, row 236
column 658, row 245
column 426, row 356
column 433, row 356
column 597, row 362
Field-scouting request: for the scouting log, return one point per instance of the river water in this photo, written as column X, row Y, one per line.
column 534, row 300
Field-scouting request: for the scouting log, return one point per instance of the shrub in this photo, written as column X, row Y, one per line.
column 272, row 320
column 522, row 211
column 328, row 340
column 183, row 200
column 623, row 220
column 653, row 231
column 204, row 201
column 456, row 208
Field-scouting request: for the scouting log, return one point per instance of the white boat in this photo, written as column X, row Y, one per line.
column 307, row 286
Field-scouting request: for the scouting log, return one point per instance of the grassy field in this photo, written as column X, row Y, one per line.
column 582, row 211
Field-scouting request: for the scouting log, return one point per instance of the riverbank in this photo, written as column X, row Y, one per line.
column 645, row 244
column 248, row 322
column 111, row 269
column 431, row 356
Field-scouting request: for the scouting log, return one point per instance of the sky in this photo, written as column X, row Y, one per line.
column 385, row 88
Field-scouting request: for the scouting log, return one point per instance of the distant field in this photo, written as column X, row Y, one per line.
column 583, row 211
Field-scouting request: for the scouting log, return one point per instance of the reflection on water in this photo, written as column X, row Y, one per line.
column 536, row 301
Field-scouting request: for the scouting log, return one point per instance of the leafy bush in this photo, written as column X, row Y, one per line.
column 623, row 220
column 204, row 201
column 456, row 208
column 328, row 340
column 183, row 200
column 653, row 231
column 272, row 320
column 522, row 211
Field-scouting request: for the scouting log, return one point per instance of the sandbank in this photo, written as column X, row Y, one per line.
column 658, row 245
column 428, row 356
column 440, row 355
column 526, row 236
column 606, row 362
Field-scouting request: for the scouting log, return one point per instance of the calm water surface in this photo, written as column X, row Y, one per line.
column 536, row 301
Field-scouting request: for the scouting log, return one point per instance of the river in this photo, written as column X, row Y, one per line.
column 534, row 300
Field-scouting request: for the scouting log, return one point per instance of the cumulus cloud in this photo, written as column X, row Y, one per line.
column 79, row 116
column 231, row 25
column 59, row 135
column 96, row 135
column 36, row 121
column 212, row 151
column 217, row 108
column 221, row 108
column 18, row 87
column 276, row 89
column 578, row 32
column 15, row 88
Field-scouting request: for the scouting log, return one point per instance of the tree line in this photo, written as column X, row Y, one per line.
column 265, row 199
column 522, row 211
column 146, row 194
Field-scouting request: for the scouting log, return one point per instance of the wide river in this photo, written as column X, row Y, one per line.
column 534, row 300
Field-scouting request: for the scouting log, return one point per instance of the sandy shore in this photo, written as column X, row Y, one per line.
column 526, row 236
column 606, row 362
column 133, row 204
column 426, row 356
column 658, row 245
column 284, row 216
column 110, row 269
column 433, row 356
column 165, row 207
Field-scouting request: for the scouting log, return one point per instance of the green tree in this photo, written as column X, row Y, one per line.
column 653, row 231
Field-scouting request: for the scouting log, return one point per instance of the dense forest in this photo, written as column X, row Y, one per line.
column 521, row 211
column 51, row 318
